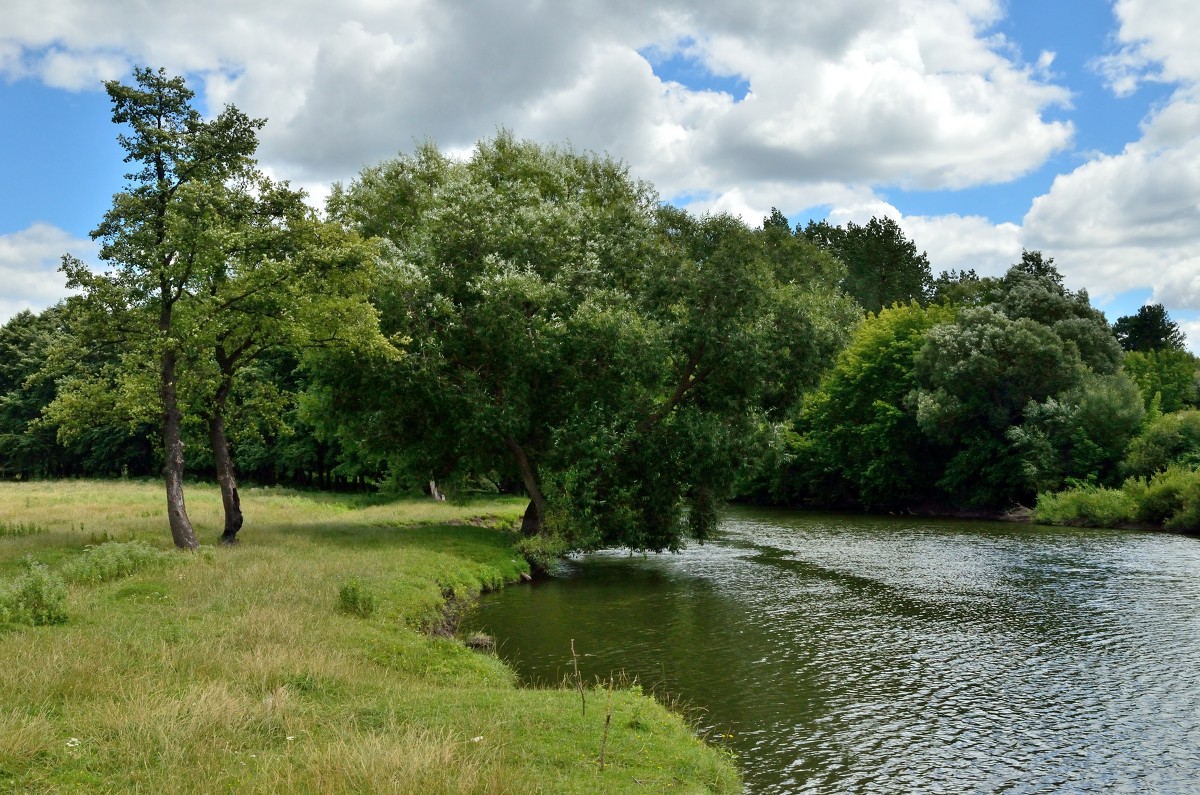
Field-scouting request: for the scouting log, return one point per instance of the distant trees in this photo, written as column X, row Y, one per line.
column 861, row 442
column 882, row 265
column 1150, row 329
column 979, row 404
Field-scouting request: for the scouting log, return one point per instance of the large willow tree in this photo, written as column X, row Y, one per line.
column 618, row 358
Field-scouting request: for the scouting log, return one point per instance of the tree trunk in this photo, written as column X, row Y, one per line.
column 222, row 460
column 181, row 527
column 535, row 514
column 223, row 463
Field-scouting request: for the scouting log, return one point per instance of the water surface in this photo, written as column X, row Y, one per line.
column 858, row 654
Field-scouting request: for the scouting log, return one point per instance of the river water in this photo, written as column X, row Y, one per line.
column 839, row 653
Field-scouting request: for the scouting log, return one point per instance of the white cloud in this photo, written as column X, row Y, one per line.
column 29, row 262
column 1192, row 329
column 956, row 242
column 1132, row 219
column 867, row 92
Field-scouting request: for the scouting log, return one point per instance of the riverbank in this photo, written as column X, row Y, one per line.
column 300, row 660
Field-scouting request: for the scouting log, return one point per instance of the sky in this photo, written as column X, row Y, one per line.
column 981, row 126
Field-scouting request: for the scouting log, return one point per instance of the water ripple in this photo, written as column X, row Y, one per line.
column 851, row 654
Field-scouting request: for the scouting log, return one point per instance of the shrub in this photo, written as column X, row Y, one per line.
column 355, row 599
column 113, row 560
column 1187, row 517
column 1158, row 498
column 1085, row 506
column 1169, row 439
column 37, row 597
column 542, row 551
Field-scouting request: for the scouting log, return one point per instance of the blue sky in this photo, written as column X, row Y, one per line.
column 981, row 126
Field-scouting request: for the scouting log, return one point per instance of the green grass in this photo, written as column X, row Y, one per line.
column 256, row 669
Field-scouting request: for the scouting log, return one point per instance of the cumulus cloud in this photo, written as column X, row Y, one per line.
column 1191, row 328
column 845, row 98
column 972, row 242
column 1132, row 219
column 867, row 92
column 29, row 262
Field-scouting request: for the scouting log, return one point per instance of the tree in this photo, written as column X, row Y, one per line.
column 962, row 288
column 1169, row 439
column 211, row 263
column 883, row 266
column 1005, row 386
column 157, row 238
column 286, row 278
column 1151, row 329
column 614, row 356
column 860, row 426
column 1167, row 378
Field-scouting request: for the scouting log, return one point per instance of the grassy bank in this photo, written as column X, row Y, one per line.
column 299, row 661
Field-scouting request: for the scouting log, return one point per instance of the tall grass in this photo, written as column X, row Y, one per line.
column 239, row 670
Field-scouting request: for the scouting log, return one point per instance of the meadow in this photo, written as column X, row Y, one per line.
column 317, row 655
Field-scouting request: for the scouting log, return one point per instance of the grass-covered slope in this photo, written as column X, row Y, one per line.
column 299, row 661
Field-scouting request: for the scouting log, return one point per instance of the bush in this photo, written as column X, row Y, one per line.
column 1169, row 439
column 355, row 599
column 37, row 597
column 113, row 560
column 542, row 552
column 1086, row 506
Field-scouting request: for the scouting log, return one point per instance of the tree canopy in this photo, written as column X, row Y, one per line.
column 882, row 265
column 1150, row 329
column 617, row 357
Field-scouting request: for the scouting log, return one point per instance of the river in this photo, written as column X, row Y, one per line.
column 845, row 653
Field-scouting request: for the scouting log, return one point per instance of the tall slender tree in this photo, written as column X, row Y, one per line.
column 156, row 238
column 210, row 265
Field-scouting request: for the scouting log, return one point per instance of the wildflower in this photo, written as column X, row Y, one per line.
column 73, row 742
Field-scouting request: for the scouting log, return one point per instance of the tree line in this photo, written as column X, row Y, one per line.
column 532, row 319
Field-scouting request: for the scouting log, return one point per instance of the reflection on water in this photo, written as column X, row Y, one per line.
column 858, row 654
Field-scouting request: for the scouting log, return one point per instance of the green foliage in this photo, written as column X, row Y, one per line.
column 1151, row 329
column 1086, row 505
column 1080, row 435
column 883, row 266
column 976, row 378
column 356, row 599
column 564, row 331
column 1168, row 439
column 38, row 597
column 113, row 560
column 963, row 288
column 1170, row 498
column 860, row 426
column 542, row 551
column 1171, row 375
column 1022, row 387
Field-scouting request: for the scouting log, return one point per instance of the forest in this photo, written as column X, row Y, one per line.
column 536, row 320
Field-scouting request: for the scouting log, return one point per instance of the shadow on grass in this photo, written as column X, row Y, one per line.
column 442, row 537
